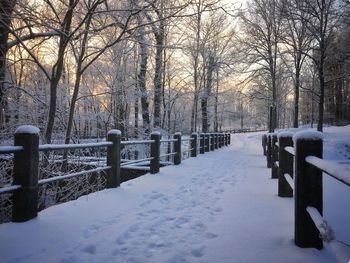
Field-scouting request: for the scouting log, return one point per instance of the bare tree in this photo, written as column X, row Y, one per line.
column 320, row 21
column 298, row 43
column 6, row 10
column 262, row 25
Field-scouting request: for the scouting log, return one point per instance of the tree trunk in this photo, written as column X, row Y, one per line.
column 7, row 7
column 206, row 95
column 296, row 96
column 321, row 101
column 158, row 80
column 216, row 118
column 58, row 68
column 142, row 80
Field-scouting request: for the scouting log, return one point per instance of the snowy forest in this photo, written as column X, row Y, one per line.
column 78, row 68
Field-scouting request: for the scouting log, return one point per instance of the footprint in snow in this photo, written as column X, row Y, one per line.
column 198, row 226
column 210, row 235
column 90, row 249
column 91, row 230
column 155, row 196
column 198, row 252
column 181, row 222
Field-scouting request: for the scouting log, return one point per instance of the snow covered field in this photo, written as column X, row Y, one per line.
column 219, row 207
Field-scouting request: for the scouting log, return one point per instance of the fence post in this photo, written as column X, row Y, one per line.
column 285, row 164
column 155, row 152
column 221, row 140
column 274, row 156
column 207, row 141
column 194, row 136
column 269, row 151
column 229, row 139
column 25, row 173
column 177, row 148
column 263, row 142
column 201, row 143
column 216, row 141
column 307, row 187
column 212, row 142
column 226, row 139
column 113, row 159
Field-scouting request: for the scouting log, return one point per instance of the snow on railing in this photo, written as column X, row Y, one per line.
column 335, row 169
column 290, row 150
column 136, row 161
column 326, row 232
column 9, row 189
column 10, row 149
column 26, row 162
column 137, row 142
column 57, row 147
column 306, row 153
column 289, row 179
column 71, row 175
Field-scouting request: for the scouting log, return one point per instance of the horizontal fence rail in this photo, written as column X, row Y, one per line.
column 71, row 175
column 57, row 147
column 10, row 149
column 28, row 162
column 339, row 171
column 298, row 159
column 245, row 130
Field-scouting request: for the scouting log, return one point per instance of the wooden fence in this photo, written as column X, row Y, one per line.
column 296, row 161
column 244, row 130
column 26, row 149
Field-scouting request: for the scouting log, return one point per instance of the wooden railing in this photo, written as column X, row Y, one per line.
column 296, row 161
column 25, row 185
column 244, row 130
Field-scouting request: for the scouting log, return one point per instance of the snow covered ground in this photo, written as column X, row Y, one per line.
column 218, row 207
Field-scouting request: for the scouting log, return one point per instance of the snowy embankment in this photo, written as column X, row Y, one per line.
column 218, row 207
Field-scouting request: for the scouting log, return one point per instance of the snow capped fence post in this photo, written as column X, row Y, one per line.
column 155, row 152
column 113, row 159
column 216, row 141
column 274, row 156
column 207, row 141
column 308, row 188
column 285, row 164
column 229, row 138
column 25, row 173
column 194, row 136
column 263, row 141
column 212, row 142
column 177, row 148
column 201, row 143
column 269, row 151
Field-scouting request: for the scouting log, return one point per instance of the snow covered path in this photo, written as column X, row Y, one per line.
column 218, row 207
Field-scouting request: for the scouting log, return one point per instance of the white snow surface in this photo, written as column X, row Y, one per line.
column 308, row 134
column 114, row 132
column 285, row 134
column 219, row 207
column 156, row 133
column 30, row 129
